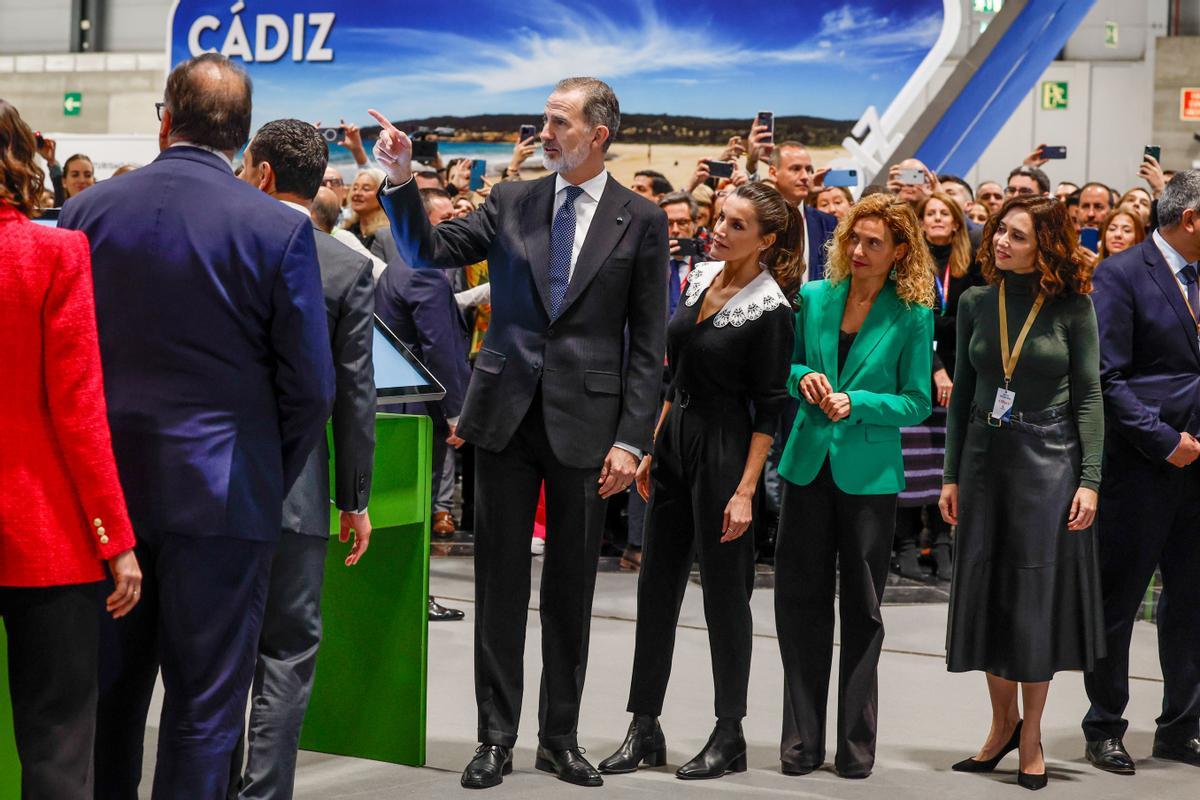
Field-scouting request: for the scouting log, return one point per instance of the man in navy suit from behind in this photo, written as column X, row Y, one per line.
column 219, row 380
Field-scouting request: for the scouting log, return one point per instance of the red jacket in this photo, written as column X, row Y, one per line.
column 62, row 511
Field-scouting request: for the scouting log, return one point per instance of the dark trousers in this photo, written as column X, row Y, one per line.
column 1149, row 516
column 507, row 485
column 825, row 533
column 53, row 641
column 199, row 620
column 284, row 671
column 698, row 463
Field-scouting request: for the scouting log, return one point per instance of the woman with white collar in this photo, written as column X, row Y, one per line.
column 861, row 366
column 728, row 347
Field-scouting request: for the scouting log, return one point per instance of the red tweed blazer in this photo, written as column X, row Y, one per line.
column 62, row 511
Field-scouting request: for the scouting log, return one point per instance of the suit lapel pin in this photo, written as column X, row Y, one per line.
column 620, row 220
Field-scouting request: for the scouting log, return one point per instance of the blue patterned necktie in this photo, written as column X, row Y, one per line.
column 562, row 242
column 1188, row 276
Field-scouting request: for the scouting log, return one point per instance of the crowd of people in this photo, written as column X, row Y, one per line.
column 994, row 387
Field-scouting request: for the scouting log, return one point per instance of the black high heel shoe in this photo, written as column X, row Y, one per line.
column 1034, row 782
column 644, row 744
column 725, row 752
column 972, row 765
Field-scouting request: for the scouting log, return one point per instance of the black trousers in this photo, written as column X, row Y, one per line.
column 825, row 533
column 1149, row 516
column 507, row 484
column 53, row 642
column 698, row 462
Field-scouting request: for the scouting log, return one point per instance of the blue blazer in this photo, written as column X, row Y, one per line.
column 217, row 367
column 819, row 228
column 1149, row 359
column 419, row 307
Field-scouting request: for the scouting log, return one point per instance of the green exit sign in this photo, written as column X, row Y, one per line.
column 72, row 104
column 987, row 6
column 1054, row 95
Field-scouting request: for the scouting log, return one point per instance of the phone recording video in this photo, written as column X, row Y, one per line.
column 478, row 169
column 527, row 132
column 689, row 247
column 1152, row 150
column 766, row 118
column 911, row 176
column 1053, row 151
column 1090, row 238
column 720, row 169
column 332, row 135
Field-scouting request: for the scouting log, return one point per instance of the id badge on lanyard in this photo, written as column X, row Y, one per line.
column 1005, row 397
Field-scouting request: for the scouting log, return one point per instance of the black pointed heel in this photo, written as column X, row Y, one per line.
column 972, row 765
column 1031, row 781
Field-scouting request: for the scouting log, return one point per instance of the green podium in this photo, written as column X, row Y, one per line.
column 10, row 769
column 368, row 700
column 369, row 697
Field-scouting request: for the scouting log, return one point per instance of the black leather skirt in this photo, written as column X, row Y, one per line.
column 1025, row 602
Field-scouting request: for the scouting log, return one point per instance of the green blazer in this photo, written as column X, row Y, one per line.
column 886, row 377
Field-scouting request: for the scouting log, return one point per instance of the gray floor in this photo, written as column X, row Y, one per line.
column 928, row 718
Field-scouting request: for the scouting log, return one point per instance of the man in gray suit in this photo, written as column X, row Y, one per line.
column 286, row 159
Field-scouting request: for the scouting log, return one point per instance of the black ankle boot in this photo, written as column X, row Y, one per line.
column 644, row 744
column 905, row 563
column 725, row 752
column 943, row 557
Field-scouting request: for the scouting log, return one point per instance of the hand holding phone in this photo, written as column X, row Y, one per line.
column 1090, row 238
column 908, row 176
column 1053, row 151
column 332, row 135
column 687, row 247
column 527, row 132
column 841, row 177
column 767, row 120
column 1152, row 150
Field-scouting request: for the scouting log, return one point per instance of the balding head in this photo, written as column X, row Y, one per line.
column 325, row 209
column 208, row 103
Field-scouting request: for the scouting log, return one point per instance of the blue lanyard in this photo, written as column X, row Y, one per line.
column 940, row 292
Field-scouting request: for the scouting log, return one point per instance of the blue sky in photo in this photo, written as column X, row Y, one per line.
column 827, row 58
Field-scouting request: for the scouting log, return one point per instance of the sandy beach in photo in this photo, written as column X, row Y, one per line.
column 676, row 161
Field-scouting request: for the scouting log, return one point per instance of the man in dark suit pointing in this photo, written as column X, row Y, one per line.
column 574, row 260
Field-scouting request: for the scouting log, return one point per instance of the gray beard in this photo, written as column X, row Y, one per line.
column 566, row 162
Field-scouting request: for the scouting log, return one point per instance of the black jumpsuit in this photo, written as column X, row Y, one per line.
column 728, row 382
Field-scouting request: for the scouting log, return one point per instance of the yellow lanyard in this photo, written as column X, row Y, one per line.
column 1009, row 360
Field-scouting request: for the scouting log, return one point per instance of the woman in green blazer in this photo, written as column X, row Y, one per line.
column 860, row 366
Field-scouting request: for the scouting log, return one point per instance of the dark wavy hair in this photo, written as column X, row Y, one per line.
column 1062, row 271
column 785, row 258
column 21, row 179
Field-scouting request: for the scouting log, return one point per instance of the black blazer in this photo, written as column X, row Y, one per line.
column 349, row 307
column 419, row 307
column 1149, row 360
column 594, row 394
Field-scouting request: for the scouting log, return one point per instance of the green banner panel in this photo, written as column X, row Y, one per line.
column 368, row 699
column 10, row 768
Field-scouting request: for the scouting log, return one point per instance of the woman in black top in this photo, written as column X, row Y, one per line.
column 728, row 350
column 944, row 230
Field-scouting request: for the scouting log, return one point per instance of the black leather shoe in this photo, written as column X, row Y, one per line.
column 725, row 752
column 644, row 744
column 971, row 765
column 943, row 559
column 439, row 613
column 1110, row 755
column 905, row 563
column 1188, row 752
column 488, row 768
column 569, row 765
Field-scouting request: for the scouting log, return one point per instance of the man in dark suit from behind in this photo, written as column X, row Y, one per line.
column 574, row 259
column 1146, row 304
column 286, row 160
column 418, row 305
column 219, row 381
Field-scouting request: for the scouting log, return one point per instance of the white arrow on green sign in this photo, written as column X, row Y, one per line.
column 72, row 104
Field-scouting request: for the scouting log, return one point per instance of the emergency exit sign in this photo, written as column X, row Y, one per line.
column 72, row 104
column 1054, row 95
column 987, row 6
column 1189, row 105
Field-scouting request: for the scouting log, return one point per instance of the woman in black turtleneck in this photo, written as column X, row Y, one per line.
column 945, row 230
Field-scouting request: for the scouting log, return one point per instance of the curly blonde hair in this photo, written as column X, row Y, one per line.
column 913, row 274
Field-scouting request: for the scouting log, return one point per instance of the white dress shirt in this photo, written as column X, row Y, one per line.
column 585, row 209
column 807, row 245
column 215, row 152
column 1174, row 260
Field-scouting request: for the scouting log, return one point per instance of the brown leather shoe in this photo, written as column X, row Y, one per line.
column 631, row 560
column 444, row 525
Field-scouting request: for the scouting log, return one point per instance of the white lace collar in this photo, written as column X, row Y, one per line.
column 759, row 295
